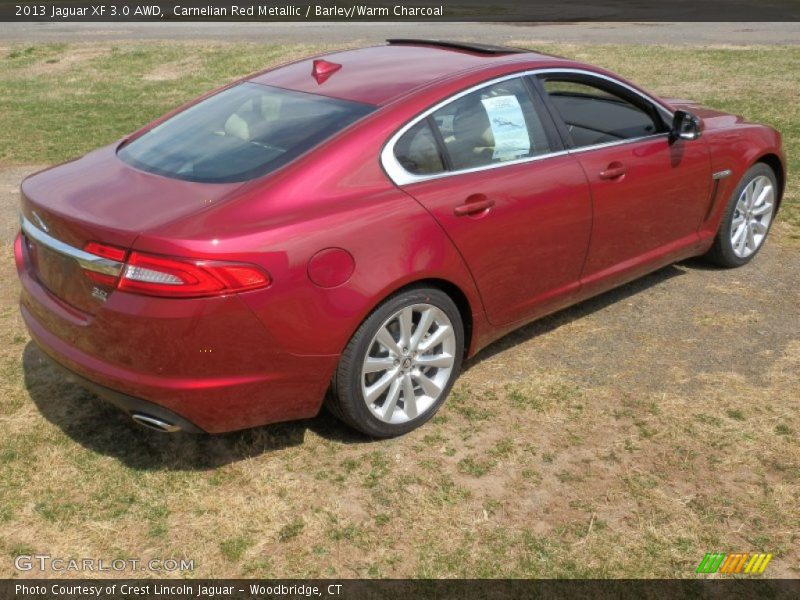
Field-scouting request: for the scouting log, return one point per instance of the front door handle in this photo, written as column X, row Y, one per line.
column 477, row 203
column 614, row 171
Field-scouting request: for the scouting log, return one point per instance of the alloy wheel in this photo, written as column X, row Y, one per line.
column 752, row 216
column 408, row 363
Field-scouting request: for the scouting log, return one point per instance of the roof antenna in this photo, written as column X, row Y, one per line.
column 323, row 70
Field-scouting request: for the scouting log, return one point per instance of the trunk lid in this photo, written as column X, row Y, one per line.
column 99, row 198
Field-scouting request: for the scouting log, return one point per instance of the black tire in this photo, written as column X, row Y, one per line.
column 722, row 253
column 346, row 399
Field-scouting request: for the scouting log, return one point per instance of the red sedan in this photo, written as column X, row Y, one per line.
column 347, row 229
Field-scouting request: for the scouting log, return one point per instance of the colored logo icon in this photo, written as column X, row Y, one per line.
column 743, row 562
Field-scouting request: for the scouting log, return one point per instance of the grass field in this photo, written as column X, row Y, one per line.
column 624, row 437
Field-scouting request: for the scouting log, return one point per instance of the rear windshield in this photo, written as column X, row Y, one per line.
column 240, row 133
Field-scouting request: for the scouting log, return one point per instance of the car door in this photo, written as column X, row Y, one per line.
column 649, row 192
column 492, row 172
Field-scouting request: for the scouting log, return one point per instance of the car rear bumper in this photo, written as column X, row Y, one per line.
column 150, row 411
column 209, row 364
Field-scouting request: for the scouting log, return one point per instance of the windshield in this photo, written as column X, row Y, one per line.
column 240, row 133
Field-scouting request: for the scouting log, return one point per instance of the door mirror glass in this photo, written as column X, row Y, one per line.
column 685, row 126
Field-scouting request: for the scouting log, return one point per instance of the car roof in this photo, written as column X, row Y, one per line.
column 379, row 74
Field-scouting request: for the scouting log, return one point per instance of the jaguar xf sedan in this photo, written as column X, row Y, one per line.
column 346, row 229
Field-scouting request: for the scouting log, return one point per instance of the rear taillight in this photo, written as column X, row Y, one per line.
column 169, row 277
column 106, row 251
column 18, row 258
column 113, row 253
column 162, row 276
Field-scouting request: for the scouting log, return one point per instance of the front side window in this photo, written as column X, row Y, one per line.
column 241, row 133
column 595, row 115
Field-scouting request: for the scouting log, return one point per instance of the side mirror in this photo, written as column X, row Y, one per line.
column 685, row 126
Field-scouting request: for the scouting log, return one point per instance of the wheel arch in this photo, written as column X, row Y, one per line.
column 455, row 293
column 461, row 301
column 774, row 162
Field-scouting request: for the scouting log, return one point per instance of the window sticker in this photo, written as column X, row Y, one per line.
column 508, row 126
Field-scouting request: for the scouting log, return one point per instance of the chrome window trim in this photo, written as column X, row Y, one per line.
column 665, row 112
column 86, row 260
column 400, row 176
column 618, row 143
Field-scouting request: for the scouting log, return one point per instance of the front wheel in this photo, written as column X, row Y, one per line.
column 400, row 365
column 747, row 218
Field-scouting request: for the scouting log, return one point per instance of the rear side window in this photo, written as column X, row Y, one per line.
column 418, row 151
column 495, row 124
column 594, row 115
column 240, row 133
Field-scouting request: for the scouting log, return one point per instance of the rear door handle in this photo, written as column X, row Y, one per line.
column 474, row 204
column 613, row 171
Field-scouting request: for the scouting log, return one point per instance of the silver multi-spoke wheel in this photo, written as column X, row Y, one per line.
column 400, row 364
column 747, row 218
column 752, row 215
column 408, row 363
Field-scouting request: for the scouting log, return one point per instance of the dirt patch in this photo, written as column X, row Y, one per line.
column 63, row 62
column 174, row 70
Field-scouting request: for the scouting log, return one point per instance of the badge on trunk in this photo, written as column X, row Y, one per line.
column 99, row 294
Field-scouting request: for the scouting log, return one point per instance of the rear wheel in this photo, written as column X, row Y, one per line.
column 400, row 365
column 747, row 218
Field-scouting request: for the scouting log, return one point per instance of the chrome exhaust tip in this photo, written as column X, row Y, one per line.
column 154, row 423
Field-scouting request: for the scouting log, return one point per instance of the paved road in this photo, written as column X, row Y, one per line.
column 295, row 33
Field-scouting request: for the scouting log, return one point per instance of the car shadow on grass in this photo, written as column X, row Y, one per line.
column 102, row 428
column 578, row 311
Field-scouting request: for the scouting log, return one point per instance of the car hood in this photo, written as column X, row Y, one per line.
column 712, row 118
